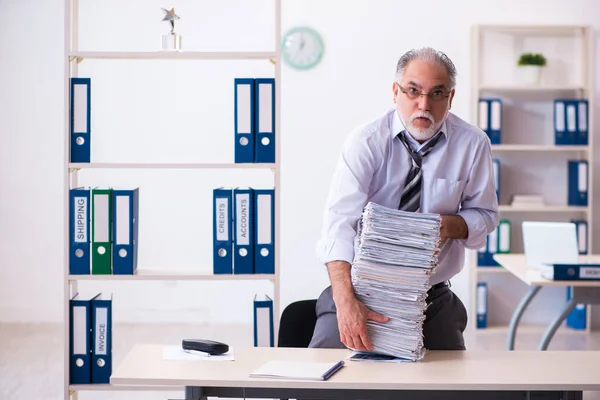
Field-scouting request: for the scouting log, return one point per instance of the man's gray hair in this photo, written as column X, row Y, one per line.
column 430, row 55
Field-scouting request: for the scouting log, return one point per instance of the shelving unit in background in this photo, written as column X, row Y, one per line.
column 530, row 161
column 73, row 57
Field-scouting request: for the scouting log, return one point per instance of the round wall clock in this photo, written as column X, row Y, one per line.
column 302, row 47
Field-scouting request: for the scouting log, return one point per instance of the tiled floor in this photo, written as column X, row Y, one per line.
column 31, row 355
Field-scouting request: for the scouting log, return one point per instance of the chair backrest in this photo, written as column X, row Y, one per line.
column 297, row 324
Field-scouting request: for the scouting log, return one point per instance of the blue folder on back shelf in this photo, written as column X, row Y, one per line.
column 565, row 121
column 578, row 178
column 222, row 231
column 243, row 243
column 79, row 231
column 485, row 255
column 125, row 230
column 80, row 120
column 582, row 122
column 578, row 317
column 265, row 120
column 244, row 119
column 496, row 168
column 482, row 295
column 581, row 228
column 571, row 272
column 264, row 228
column 101, row 344
column 80, row 316
column 263, row 322
column 490, row 118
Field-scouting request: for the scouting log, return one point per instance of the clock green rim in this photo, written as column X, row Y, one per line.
column 307, row 30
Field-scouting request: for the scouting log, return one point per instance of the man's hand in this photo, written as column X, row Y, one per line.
column 453, row 227
column 352, row 314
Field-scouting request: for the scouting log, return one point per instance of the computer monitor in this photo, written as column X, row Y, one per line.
column 549, row 242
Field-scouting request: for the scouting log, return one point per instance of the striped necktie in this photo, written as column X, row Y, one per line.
column 411, row 196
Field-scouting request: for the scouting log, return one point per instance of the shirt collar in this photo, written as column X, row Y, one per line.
column 398, row 127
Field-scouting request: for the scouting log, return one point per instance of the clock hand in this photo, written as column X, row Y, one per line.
column 301, row 41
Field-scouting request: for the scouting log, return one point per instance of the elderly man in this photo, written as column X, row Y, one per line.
column 416, row 157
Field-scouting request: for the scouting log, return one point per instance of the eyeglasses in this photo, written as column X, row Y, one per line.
column 413, row 93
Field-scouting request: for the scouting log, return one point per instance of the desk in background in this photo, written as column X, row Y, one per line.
column 444, row 375
column 582, row 292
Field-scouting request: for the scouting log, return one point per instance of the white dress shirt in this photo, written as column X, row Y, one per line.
column 457, row 178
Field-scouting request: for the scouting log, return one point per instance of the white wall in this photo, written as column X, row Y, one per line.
column 162, row 112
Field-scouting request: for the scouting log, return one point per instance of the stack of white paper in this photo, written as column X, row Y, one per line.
column 395, row 257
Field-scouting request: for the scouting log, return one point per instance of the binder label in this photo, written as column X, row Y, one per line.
column 122, row 231
column 589, row 272
column 102, row 221
column 263, row 202
column 582, row 175
column 265, row 99
column 242, row 235
column 483, row 115
column 496, row 116
column 81, row 222
column 481, row 300
column 582, row 116
column 101, row 322
column 80, row 107
column 222, row 218
column 504, row 237
column 244, row 99
column 582, row 236
column 493, row 241
column 80, row 333
column 263, row 322
column 571, row 118
column 559, row 113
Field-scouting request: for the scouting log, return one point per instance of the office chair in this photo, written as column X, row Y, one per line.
column 297, row 324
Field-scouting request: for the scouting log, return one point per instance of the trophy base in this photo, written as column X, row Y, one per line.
column 171, row 42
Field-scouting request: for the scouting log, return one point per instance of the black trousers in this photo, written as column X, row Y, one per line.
column 445, row 321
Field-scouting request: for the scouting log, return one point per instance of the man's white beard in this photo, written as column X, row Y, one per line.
column 422, row 134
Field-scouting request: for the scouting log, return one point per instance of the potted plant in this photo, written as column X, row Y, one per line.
column 530, row 67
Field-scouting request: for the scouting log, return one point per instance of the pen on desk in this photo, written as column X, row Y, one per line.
column 333, row 370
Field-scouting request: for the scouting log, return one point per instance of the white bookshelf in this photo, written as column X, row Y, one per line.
column 110, row 165
column 175, row 55
column 173, row 275
column 533, row 164
column 74, row 57
column 496, row 148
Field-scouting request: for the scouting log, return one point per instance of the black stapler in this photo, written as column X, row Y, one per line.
column 205, row 346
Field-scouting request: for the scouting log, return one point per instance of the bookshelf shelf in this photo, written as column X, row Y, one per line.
column 531, row 89
column 129, row 388
column 491, row 270
column 536, row 148
column 524, row 145
column 175, row 275
column 542, row 209
column 133, row 165
column 173, row 55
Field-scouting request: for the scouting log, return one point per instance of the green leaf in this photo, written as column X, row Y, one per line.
column 532, row 59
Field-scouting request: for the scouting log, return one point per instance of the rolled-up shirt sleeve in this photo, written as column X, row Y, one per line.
column 479, row 206
column 348, row 195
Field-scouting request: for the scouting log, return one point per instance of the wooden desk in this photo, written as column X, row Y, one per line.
column 587, row 292
column 441, row 375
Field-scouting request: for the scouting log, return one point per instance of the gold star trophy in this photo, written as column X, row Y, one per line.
column 171, row 40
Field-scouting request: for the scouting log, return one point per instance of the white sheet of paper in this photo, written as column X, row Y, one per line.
column 177, row 353
column 296, row 370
